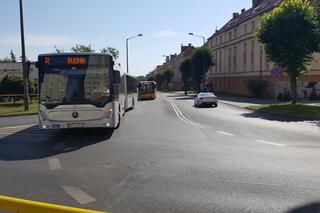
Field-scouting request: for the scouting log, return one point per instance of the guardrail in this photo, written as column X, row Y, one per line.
column 28, row 206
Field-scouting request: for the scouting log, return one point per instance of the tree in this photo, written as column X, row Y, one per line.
column 111, row 51
column 58, row 50
column 82, row 48
column 13, row 57
column 5, row 60
column 168, row 76
column 141, row 78
column 11, row 85
column 201, row 61
column 186, row 70
column 290, row 34
column 150, row 77
column 158, row 77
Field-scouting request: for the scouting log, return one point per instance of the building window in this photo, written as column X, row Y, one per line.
column 217, row 41
column 244, row 56
column 220, row 61
column 230, row 36
column 253, row 26
column 252, row 56
column 245, row 29
column 216, row 61
column 235, row 33
column 229, row 59
column 220, row 39
column 235, row 52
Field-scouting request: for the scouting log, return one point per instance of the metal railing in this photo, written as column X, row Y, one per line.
column 28, row 206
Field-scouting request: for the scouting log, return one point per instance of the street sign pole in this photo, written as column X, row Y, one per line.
column 24, row 67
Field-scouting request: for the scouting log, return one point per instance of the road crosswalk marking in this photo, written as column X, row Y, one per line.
column 79, row 195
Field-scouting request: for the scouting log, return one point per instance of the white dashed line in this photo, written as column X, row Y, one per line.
column 225, row 133
column 270, row 143
column 54, row 163
column 79, row 195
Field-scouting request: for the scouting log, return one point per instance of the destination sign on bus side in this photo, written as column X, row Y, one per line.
column 67, row 60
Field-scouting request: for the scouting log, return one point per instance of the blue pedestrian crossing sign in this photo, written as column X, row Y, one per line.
column 277, row 72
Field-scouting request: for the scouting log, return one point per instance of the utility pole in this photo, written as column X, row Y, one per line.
column 24, row 67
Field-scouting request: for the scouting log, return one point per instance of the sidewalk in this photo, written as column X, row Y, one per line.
column 245, row 102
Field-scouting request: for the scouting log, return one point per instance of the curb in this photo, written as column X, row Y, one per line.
column 5, row 116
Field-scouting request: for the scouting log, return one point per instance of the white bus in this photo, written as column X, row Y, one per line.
column 82, row 90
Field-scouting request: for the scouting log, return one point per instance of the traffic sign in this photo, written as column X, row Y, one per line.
column 277, row 72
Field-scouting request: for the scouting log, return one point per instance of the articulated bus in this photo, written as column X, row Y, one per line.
column 147, row 90
column 82, row 90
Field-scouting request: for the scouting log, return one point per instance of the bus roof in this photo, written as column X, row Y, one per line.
column 72, row 53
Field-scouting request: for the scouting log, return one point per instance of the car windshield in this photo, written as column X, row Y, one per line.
column 206, row 94
column 151, row 106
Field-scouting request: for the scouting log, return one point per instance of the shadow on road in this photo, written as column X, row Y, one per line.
column 309, row 208
column 31, row 143
column 184, row 98
column 281, row 118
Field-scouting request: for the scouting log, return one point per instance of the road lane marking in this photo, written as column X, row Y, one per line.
column 270, row 143
column 18, row 127
column 54, row 163
column 184, row 119
column 225, row 133
column 79, row 195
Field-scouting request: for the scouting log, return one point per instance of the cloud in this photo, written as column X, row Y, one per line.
column 34, row 40
column 165, row 33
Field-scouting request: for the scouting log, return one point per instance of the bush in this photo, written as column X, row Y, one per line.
column 284, row 96
column 257, row 88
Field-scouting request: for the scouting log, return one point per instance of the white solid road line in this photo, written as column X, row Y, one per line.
column 270, row 143
column 184, row 119
column 79, row 195
column 225, row 133
column 54, row 163
column 17, row 127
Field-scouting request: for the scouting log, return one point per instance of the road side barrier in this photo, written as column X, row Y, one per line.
column 28, row 206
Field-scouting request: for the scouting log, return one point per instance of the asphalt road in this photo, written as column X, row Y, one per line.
column 168, row 156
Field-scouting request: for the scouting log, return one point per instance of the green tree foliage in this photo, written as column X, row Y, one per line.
column 186, row 71
column 150, row 78
column 290, row 34
column 201, row 61
column 141, row 78
column 82, row 48
column 159, row 78
column 5, row 60
column 13, row 57
column 168, row 75
column 11, row 85
column 257, row 87
column 58, row 50
column 111, row 51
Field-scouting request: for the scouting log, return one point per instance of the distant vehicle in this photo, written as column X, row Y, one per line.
column 82, row 90
column 147, row 90
column 206, row 98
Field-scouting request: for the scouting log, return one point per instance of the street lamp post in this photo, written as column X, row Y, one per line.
column 204, row 42
column 204, row 39
column 127, row 48
column 24, row 67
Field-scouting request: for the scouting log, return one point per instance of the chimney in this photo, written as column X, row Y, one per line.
column 255, row 3
column 243, row 10
column 189, row 44
column 234, row 15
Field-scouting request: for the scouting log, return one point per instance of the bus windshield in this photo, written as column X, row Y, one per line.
column 60, row 85
column 146, row 88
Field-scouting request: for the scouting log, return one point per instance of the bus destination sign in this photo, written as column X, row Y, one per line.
column 66, row 60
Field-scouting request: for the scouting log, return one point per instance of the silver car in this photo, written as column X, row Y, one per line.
column 206, row 98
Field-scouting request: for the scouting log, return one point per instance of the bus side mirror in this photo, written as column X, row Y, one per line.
column 117, row 77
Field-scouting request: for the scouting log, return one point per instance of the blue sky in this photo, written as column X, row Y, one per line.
column 164, row 24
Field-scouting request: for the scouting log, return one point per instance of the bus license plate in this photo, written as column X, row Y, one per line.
column 75, row 125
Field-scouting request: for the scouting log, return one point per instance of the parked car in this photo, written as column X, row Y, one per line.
column 206, row 98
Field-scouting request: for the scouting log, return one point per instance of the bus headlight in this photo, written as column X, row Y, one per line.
column 109, row 113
